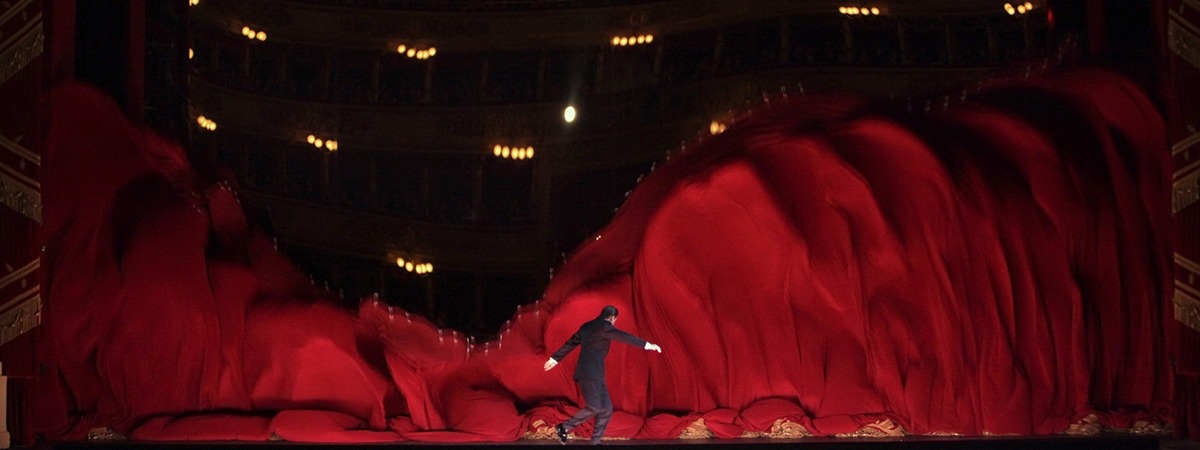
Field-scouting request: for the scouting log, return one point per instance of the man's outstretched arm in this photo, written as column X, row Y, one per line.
column 616, row 333
column 562, row 352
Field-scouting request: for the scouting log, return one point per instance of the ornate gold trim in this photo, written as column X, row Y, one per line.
column 1151, row 427
column 28, row 47
column 1187, row 307
column 104, row 434
column 878, row 429
column 20, row 197
column 1185, row 143
column 1195, row 4
column 20, row 319
column 1185, row 191
column 1087, row 426
column 20, row 6
column 696, row 430
column 1183, row 41
column 539, row 430
column 786, row 429
column 1187, row 264
column 19, row 297
column 20, row 272
column 20, row 151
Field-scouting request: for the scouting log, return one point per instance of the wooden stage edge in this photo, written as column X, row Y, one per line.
column 1114, row 442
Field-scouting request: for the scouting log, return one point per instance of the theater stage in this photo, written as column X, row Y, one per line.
column 1115, row 442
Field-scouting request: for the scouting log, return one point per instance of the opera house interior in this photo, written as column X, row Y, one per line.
column 448, row 158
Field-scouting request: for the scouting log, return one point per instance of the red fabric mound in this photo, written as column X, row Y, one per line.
column 997, row 266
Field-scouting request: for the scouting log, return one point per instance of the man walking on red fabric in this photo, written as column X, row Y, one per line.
column 595, row 336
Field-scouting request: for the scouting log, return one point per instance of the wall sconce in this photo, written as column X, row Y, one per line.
column 859, row 10
column 421, row 268
column 417, row 53
column 329, row 145
column 206, row 123
column 716, row 127
column 253, row 34
column 518, row 153
column 624, row 41
column 1018, row 9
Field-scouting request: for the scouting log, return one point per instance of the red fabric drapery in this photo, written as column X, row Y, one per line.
column 997, row 267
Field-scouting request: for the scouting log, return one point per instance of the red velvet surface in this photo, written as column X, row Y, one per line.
column 997, row 266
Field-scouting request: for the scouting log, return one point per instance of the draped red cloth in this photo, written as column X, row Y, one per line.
column 998, row 266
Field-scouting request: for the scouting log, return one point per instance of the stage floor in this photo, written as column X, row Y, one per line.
column 1114, row 442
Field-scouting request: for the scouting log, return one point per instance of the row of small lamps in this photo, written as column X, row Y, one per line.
column 1020, row 8
column 412, row 266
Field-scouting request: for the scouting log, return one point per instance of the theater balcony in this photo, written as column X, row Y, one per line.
column 480, row 141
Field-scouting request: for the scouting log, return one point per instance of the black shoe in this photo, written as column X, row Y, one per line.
column 560, row 433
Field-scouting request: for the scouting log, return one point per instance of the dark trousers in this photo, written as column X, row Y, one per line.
column 595, row 395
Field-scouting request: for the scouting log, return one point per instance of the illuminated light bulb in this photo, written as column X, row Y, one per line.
column 649, row 38
column 843, row 10
column 400, row 262
column 401, row 48
column 1008, row 7
column 504, row 152
column 641, row 39
column 496, row 150
column 569, row 114
column 1028, row 6
column 530, row 153
column 875, row 11
column 1021, row 9
column 335, row 146
column 246, row 31
column 311, row 139
column 624, row 41
column 191, row 53
column 430, row 269
column 432, row 51
column 411, row 52
column 616, row 40
column 521, row 154
column 262, row 35
column 714, row 127
column 408, row 266
column 329, row 145
column 319, row 143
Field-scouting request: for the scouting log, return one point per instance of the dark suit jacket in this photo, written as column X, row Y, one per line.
column 595, row 336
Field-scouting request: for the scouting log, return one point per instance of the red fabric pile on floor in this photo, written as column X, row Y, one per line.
column 997, row 266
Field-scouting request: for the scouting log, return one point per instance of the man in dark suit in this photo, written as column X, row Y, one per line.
column 595, row 336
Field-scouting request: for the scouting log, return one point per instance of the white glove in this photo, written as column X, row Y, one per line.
column 656, row 348
column 550, row 363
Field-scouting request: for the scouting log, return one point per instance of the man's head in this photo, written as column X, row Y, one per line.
column 609, row 313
